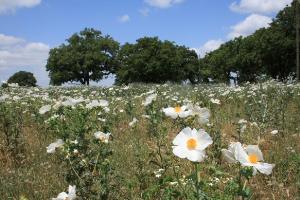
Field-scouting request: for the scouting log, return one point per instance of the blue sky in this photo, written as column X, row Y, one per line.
column 29, row 28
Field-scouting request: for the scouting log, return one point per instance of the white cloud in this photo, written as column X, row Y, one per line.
column 11, row 5
column 124, row 18
column 17, row 53
column 209, row 46
column 249, row 25
column 144, row 11
column 163, row 3
column 259, row 6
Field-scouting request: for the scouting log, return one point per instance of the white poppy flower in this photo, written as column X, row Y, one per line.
column 202, row 113
column 215, row 101
column 64, row 196
column 103, row 103
column 178, row 111
column 133, row 122
column 191, row 144
column 149, row 99
column 274, row 132
column 251, row 155
column 44, row 109
column 51, row 148
column 103, row 137
column 72, row 102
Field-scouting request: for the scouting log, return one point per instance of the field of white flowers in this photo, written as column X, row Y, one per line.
column 151, row 142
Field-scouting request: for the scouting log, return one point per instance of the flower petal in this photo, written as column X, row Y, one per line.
column 228, row 156
column 196, row 155
column 264, row 168
column 180, row 151
column 203, row 139
column 240, row 154
column 180, row 139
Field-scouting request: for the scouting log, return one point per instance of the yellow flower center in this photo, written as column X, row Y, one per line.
column 191, row 144
column 177, row 109
column 253, row 158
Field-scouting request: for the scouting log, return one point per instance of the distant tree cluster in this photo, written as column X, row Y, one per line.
column 23, row 78
column 269, row 51
column 87, row 56
column 151, row 60
column 91, row 56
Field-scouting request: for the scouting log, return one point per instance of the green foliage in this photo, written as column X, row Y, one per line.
column 11, row 125
column 151, row 60
column 86, row 158
column 23, row 79
column 269, row 51
column 87, row 56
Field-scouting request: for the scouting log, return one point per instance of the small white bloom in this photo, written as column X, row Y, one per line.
column 133, row 122
column 274, row 132
column 71, row 195
column 146, row 116
column 74, row 142
column 178, row 111
column 242, row 121
column 149, row 99
column 103, row 103
column 51, row 148
column 159, row 172
column 103, row 137
column 202, row 113
column 191, row 144
column 44, row 109
column 215, row 101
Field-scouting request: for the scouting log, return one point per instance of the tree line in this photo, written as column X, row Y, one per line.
column 91, row 56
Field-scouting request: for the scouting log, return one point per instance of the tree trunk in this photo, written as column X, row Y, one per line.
column 86, row 78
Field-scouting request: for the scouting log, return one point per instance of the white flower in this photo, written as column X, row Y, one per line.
column 133, row 122
column 3, row 97
column 202, row 113
column 72, row 102
column 159, row 172
column 103, row 103
column 44, row 109
column 106, row 109
column 251, row 155
column 178, row 111
column 103, row 137
column 274, row 132
column 64, row 196
column 215, row 101
column 96, row 103
column 149, row 99
column 242, row 121
column 51, row 148
column 191, row 144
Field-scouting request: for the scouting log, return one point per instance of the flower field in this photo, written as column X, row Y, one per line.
column 151, row 142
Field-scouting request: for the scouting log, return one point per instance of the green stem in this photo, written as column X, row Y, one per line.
column 197, row 180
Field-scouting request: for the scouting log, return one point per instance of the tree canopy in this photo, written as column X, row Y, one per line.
column 23, row 78
column 269, row 51
column 87, row 56
column 91, row 56
column 151, row 60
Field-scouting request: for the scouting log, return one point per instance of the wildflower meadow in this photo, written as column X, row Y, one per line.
column 151, row 142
